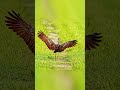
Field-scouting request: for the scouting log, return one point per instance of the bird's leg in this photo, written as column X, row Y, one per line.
column 58, row 56
column 55, row 56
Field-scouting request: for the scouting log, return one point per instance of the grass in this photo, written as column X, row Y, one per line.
column 17, row 61
column 65, row 30
column 68, row 23
column 102, row 64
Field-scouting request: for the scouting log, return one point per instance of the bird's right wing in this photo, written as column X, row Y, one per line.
column 50, row 44
column 17, row 24
column 91, row 41
column 68, row 44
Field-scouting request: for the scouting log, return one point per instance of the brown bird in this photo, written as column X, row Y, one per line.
column 24, row 30
column 92, row 40
column 56, row 47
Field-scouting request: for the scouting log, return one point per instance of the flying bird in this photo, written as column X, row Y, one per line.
column 56, row 47
column 92, row 40
column 26, row 31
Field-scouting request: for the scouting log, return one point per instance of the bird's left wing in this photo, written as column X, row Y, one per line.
column 50, row 44
column 68, row 44
column 24, row 30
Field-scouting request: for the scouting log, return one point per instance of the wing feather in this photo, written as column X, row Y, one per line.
column 50, row 44
column 92, row 40
column 15, row 22
column 68, row 44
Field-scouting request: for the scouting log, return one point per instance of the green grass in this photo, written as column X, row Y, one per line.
column 17, row 61
column 69, row 25
column 102, row 64
column 66, row 28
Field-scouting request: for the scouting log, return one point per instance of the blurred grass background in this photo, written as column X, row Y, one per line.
column 66, row 19
column 102, row 64
column 17, row 61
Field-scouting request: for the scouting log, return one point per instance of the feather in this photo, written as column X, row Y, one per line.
column 50, row 44
column 92, row 40
column 68, row 44
column 26, row 31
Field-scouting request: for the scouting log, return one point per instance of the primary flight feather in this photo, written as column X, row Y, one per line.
column 92, row 40
column 24, row 30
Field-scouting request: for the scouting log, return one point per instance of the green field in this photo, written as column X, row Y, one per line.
column 102, row 64
column 64, row 19
column 67, row 19
column 17, row 61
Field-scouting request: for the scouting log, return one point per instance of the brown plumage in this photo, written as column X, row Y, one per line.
column 24, row 30
column 92, row 40
column 56, row 47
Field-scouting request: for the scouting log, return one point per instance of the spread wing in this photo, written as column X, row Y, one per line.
column 68, row 45
column 24, row 30
column 50, row 44
column 92, row 40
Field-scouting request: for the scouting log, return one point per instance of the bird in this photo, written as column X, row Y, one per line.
column 56, row 47
column 26, row 31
